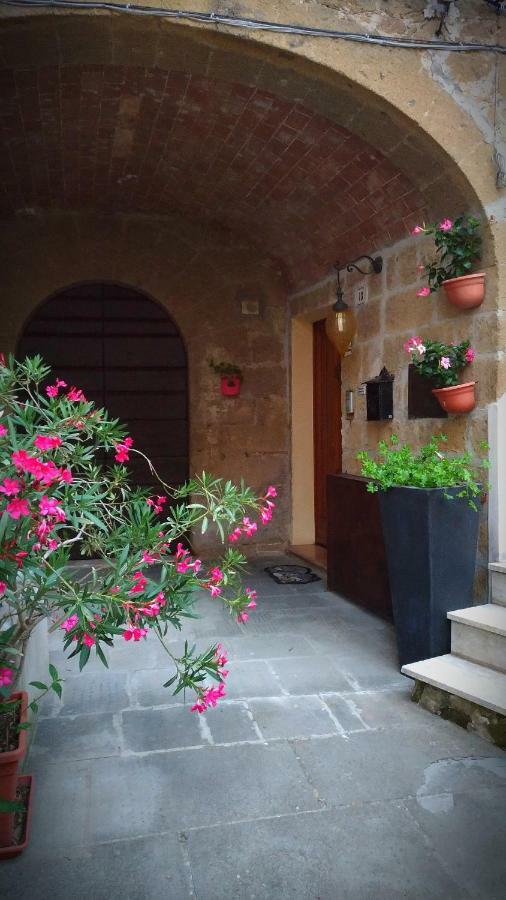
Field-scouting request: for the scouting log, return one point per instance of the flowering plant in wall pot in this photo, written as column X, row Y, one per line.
column 442, row 364
column 231, row 378
column 65, row 485
column 457, row 249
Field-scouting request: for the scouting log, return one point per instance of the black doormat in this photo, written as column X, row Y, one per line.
column 292, row 574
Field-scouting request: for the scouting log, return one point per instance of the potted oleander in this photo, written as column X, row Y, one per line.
column 429, row 501
column 442, row 364
column 230, row 378
column 457, row 245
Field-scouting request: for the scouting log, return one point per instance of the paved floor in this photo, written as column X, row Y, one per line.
column 316, row 779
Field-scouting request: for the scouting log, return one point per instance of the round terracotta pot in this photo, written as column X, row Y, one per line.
column 457, row 399
column 467, row 291
column 230, row 385
column 9, row 765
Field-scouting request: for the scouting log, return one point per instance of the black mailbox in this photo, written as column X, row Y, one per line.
column 380, row 396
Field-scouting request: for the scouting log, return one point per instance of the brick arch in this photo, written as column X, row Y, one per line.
column 235, row 132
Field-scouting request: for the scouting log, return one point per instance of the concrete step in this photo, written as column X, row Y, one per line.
column 498, row 583
column 462, row 678
column 479, row 634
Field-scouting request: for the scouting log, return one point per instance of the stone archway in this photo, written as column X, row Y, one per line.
column 126, row 354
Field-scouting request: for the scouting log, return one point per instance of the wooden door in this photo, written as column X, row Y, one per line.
column 326, row 423
column 122, row 349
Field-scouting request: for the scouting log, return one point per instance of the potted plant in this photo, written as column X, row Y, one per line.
column 457, row 249
column 231, row 378
column 442, row 364
column 430, row 520
column 58, row 493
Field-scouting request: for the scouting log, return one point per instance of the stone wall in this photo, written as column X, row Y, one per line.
column 392, row 314
column 201, row 279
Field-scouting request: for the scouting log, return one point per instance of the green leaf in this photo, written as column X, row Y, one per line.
column 39, row 685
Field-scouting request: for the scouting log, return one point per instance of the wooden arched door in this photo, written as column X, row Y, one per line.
column 122, row 349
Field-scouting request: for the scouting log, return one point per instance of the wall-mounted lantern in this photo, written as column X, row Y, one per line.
column 341, row 323
column 380, row 396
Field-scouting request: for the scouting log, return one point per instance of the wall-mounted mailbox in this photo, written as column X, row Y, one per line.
column 380, row 396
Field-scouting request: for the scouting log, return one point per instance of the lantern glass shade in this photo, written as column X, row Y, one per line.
column 341, row 326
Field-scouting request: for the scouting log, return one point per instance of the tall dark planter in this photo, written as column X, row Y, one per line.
column 431, row 553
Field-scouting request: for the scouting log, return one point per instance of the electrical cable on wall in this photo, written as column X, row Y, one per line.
column 260, row 25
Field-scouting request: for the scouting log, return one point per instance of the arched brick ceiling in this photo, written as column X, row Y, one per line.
column 146, row 140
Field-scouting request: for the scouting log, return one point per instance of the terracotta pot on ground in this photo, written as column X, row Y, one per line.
column 25, row 783
column 9, row 765
column 457, row 399
column 467, row 291
column 230, row 385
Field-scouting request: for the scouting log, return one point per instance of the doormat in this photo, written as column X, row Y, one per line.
column 292, row 574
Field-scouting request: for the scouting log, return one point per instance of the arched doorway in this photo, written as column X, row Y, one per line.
column 124, row 351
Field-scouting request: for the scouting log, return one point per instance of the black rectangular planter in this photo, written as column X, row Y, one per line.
column 431, row 553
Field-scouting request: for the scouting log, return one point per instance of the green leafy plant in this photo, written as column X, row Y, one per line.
column 457, row 249
column 227, row 370
column 440, row 362
column 398, row 465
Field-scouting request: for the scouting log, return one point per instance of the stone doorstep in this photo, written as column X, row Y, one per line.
column 460, row 677
column 472, row 716
column 490, row 617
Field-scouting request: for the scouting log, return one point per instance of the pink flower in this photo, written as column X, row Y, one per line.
column 88, row 640
column 157, row 503
column 271, row 492
column 76, row 394
column 446, row 225
column 48, row 506
column 3, row 431
column 44, row 442
column 69, row 623
column 209, row 697
column 417, row 229
column 3, row 588
column 216, row 574
column 249, row 528
column 423, row 292
column 148, row 558
column 17, row 508
column 243, row 617
column 415, row 345
column 215, row 590
column 115, row 589
column 6, row 677
column 235, row 535
column 140, row 583
column 10, row 487
column 65, row 476
column 52, row 544
column 470, row 355
column 122, row 450
column 52, row 389
column 133, row 631
column 445, row 362
column 266, row 515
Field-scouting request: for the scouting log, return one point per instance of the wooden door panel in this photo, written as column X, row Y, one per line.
column 326, row 422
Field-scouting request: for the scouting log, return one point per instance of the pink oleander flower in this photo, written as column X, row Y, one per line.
column 417, row 229
column 88, row 640
column 446, row 225
column 135, row 632
column 209, row 697
column 265, row 515
column 215, row 590
column 115, row 590
column 148, row 558
column 445, row 362
column 17, row 508
column 44, row 442
column 65, row 476
column 271, row 492
column 52, row 389
column 3, row 588
column 140, row 583
column 69, row 623
column 6, row 677
column 243, row 617
column 423, row 292
column 157, row 503
column 234, row 535
column 76, row 394
column 216, row 574
column 249, row 527
column 122, row 450
column 3, row 431
column 470, row 355
column 48, row 506
column 10, row 487
column 52, row 544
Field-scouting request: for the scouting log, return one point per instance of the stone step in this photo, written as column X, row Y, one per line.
column 463, row 678
column 479, row 634
column 498, row 583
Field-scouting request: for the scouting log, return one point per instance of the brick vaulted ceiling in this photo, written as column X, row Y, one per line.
column 144, row 140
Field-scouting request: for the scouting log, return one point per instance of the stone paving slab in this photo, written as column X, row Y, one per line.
column 366, row 853
column 316, row 777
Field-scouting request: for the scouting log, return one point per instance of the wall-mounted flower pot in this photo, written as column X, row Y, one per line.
column 467, row 291
column 20, row 840
column 230, row 385
column 459, row 398
column 10, row 759
column 431, row 546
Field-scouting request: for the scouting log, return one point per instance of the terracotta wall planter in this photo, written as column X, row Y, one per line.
column 457, row 399
column 9, row 771
column 230, row 385
column 467, row 291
